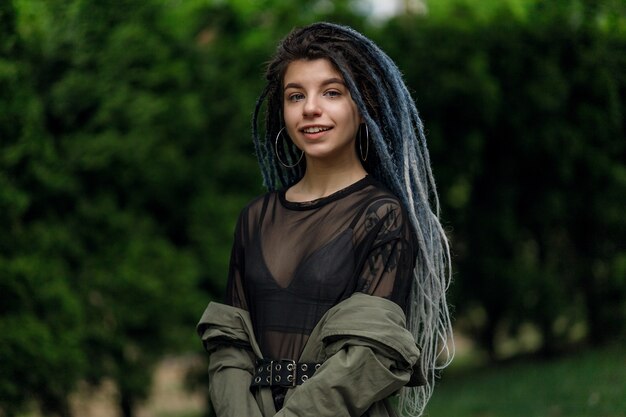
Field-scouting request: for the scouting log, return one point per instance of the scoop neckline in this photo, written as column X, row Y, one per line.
column 318, row 202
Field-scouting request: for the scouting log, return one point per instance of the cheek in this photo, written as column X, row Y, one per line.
column 356, row 118
column 290, row 120
column 353, row 111
column 290, row 112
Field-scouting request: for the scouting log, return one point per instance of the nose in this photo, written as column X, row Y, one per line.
column 311, row 107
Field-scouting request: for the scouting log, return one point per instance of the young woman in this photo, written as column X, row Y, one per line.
column 336, row 291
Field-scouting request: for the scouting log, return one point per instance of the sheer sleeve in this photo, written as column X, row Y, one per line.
column 388, row 253
column 235, row 293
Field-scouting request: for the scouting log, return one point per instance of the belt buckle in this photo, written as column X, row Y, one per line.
column 292, row 368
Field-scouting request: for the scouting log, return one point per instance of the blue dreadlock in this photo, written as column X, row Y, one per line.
column 398, row 158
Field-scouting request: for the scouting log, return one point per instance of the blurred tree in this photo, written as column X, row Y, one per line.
column 524, row 122
column 96, row 260
column 119, row 102
column 40, row 314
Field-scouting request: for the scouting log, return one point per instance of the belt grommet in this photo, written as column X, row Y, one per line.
column 290, row 367
column 304, row 367
column 268, row 379
column 318, row 366
column 290, row 378
column 257, row 379
column 277, row 378
column 304, row 378
column 269, row 368
column 278, row 367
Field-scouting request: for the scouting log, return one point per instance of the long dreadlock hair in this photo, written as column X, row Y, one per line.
column 398, row 158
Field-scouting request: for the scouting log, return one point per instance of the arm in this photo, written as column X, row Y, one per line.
column 225, row 331
column 227, row 335
column 386, row 252
column 369, row 355
column 230, row 373
column 347, row 384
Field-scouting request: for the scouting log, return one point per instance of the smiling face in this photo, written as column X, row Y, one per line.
column 320, row 115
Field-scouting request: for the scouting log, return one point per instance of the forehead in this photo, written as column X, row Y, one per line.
column 310, row 71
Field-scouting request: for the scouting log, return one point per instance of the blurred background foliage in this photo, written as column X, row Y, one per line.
column 126, row 155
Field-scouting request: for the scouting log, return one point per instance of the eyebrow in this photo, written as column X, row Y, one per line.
column 325, row 82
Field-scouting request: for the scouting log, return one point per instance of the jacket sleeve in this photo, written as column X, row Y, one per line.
column 364, row 364
column 225, row 335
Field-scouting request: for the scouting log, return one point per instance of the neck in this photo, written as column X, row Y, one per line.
column 322, row 179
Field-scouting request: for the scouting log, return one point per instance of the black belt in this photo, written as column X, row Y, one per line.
column 284, row 372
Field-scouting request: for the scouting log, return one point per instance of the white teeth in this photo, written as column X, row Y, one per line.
column 315, row 129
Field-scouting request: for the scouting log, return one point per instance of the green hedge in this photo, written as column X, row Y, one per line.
column 526, row 126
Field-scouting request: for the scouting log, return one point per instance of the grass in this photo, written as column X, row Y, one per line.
column 586, row 384
column 590, row 383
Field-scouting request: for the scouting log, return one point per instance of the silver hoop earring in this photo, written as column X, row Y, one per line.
column 278, row 155
column 367, row 143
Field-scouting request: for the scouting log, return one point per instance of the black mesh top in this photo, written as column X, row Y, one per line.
column 291, row 262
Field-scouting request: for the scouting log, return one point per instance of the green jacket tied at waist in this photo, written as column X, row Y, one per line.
column 366, row 351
